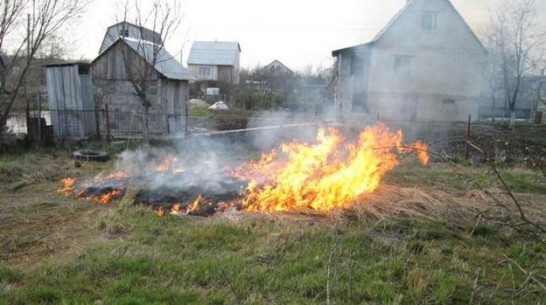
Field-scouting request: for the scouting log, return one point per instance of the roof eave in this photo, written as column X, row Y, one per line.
column 336, row 52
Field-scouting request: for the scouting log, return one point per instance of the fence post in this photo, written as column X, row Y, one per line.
column 466, row 144
column 108, row 135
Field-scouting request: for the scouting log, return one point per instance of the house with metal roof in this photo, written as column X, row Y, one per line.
column 128, row 52
column 215, row 61
column 276, row 68
column 425, row 65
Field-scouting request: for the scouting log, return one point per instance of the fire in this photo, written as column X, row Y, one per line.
column 118, row 175
column 105, row 198
column 178, row 209
column 329, row 174
column 168, row 165
column 195, row 205
column 68, row 184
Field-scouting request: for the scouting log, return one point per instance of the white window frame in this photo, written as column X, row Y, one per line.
column 202, row 71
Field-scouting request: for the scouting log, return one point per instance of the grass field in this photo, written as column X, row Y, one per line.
column 56, row 250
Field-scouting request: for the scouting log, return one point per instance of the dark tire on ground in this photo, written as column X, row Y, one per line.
column 91, row 155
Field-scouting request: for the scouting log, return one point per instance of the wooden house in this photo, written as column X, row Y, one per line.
column 425, row 65
column 215, row 61
column 127, row 47
column 277, row 69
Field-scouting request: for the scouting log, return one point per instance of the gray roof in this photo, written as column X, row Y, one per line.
column 114, row 32
column 165, row 64
column 214, row 53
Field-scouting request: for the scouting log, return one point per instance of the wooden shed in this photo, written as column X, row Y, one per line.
column 70, row 96
column 119, row 106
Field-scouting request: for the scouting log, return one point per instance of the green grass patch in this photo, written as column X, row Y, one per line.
column 520, row 180
column 196, row 261
column 200, row 111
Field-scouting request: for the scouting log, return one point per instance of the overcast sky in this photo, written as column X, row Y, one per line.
column 297, row 32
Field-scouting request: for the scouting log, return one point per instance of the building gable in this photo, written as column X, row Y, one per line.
column 276, row 66
column 429, row 23
column 165, row 64
column 131, row 31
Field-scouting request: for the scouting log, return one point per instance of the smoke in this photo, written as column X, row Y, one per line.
column 268, row 129
column 425, row 67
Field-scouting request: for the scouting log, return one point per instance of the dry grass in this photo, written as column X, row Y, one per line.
column 390, row 202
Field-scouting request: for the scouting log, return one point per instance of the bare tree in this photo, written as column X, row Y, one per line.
column 142, row 55
column 44, row 18
column 517, row 42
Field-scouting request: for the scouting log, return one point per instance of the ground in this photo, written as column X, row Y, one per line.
column 57, row 250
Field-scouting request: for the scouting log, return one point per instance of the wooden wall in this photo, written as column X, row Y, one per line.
column 71, row 103
column 169, row 99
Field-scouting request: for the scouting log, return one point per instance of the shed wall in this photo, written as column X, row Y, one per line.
column 70, row 97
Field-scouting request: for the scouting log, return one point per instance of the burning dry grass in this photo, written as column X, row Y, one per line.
column 331, row 173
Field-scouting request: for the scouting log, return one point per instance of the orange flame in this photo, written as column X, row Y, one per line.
column 332, row 173
column 168, row 164
column 114, row 176
column 327, row 175
column 103, row 198
column 195, row 205
column 68, row 184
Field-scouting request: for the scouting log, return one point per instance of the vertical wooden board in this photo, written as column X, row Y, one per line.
column 177, row 99
column 88, row 105
column 74, row 113
column 52, row 96
column 61, row 130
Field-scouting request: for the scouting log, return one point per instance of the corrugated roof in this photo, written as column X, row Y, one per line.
column 113, row 33
column 165, row 64
column 217, row 53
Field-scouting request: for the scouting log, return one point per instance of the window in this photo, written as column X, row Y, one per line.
column 402, row 65
column 359, row 103
column 205, row 71
column 83, row 70
column 357, row 66
column 449, row 101
column 429, row 21
column 124, row 32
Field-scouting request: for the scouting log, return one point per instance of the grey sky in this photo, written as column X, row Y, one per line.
column 297, row 32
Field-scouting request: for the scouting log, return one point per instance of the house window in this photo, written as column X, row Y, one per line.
column 402, row 65
column 124, row 32
column 83, row 70
column 205, row 71
column 357, row 66
column 359, row 103
column 429, row 21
